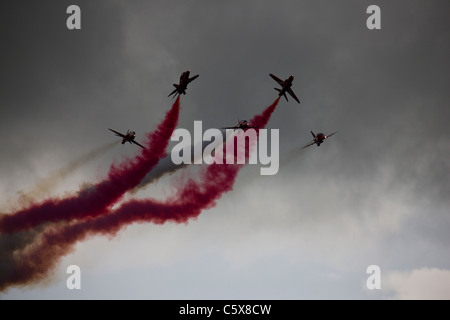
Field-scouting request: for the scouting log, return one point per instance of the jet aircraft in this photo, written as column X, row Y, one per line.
column 318, row 139
column 180, row 88
column 242, row 124
column 128, row 137
column 285, row 87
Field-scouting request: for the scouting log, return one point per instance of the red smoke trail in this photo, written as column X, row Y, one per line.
column 39, row 259
column 95, row 201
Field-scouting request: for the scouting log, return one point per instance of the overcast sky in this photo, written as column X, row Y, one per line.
column 374, row 193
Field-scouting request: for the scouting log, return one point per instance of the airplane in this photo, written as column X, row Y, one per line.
column 318, row 139
column 180, row 88
column 127, row 137
column 242, row 124
column 285, row 87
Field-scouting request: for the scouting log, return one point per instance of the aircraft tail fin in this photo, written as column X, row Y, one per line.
column 279, row 93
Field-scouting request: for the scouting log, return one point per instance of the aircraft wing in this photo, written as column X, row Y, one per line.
column 293, row 95
column 309, row 144
column 118, row 133
column 137, row 144
column 243, row 128
column 193, row 78
column 329, row 135
column 280, row 82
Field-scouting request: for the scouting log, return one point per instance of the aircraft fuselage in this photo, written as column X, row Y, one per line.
column 129, row 137
column 318, row 139
column 287, row 85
